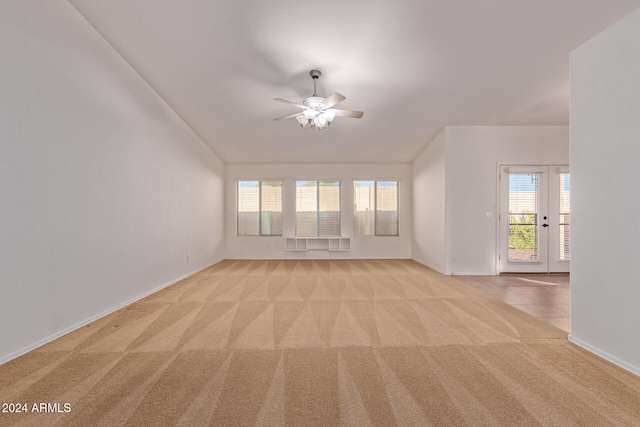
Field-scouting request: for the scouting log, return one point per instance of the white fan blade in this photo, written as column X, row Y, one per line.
column 332, row 100
column 289, row 102
column 348, row 113
column 287, row 117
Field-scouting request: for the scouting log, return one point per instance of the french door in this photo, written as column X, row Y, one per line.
column 534, row 220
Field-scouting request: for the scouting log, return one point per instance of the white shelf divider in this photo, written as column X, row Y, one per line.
column 333, row 244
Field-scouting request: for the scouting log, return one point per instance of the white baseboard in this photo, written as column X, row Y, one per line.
column 436, row 269
column 473, row 273
column 39, row 343
column 428, row 266
column 606, row 356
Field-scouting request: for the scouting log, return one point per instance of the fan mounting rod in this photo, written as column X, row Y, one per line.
column 315, row 74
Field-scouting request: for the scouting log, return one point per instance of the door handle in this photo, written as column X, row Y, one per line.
column 545, row 225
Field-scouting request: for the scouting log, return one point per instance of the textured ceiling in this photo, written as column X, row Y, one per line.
column 413, row 67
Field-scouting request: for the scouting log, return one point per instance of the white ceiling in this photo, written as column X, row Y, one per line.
column 413, row 67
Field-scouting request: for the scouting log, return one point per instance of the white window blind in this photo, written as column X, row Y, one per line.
column 248, row 208
column 375, row 208
column 259, row 208
column 564, row 250
column 317, row 208
column 329, row 208
column 271, row 208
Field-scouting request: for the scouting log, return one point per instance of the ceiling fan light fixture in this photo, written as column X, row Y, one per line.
column 329, row 115
column 324, row 119
column 310, row 113
column 303, row 120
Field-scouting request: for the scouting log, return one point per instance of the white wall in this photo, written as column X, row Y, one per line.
column 263, row 247
column 605, row 225
column 470, row 222
column 429, row 195
column 103, row 189
column 473, row 153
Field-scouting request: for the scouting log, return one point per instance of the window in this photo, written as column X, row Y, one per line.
column 259, row 208
column 375, row 208
column 317, row 208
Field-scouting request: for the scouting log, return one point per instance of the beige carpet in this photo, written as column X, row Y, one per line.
column 318, row 343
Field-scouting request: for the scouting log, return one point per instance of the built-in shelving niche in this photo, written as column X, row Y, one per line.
column 317, row 243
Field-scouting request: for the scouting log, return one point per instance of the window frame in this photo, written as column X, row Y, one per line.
column 318, row 211
column 376, row 231
column 260, row 207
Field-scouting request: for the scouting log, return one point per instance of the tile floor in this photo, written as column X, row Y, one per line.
column 545, row 296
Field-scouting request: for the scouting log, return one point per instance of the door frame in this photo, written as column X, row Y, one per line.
column 553, row 168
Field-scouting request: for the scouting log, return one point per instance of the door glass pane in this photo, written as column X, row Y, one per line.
column 564, row 249
column 523, row 217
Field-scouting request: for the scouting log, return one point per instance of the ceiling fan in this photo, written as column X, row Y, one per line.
column 316, row 111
